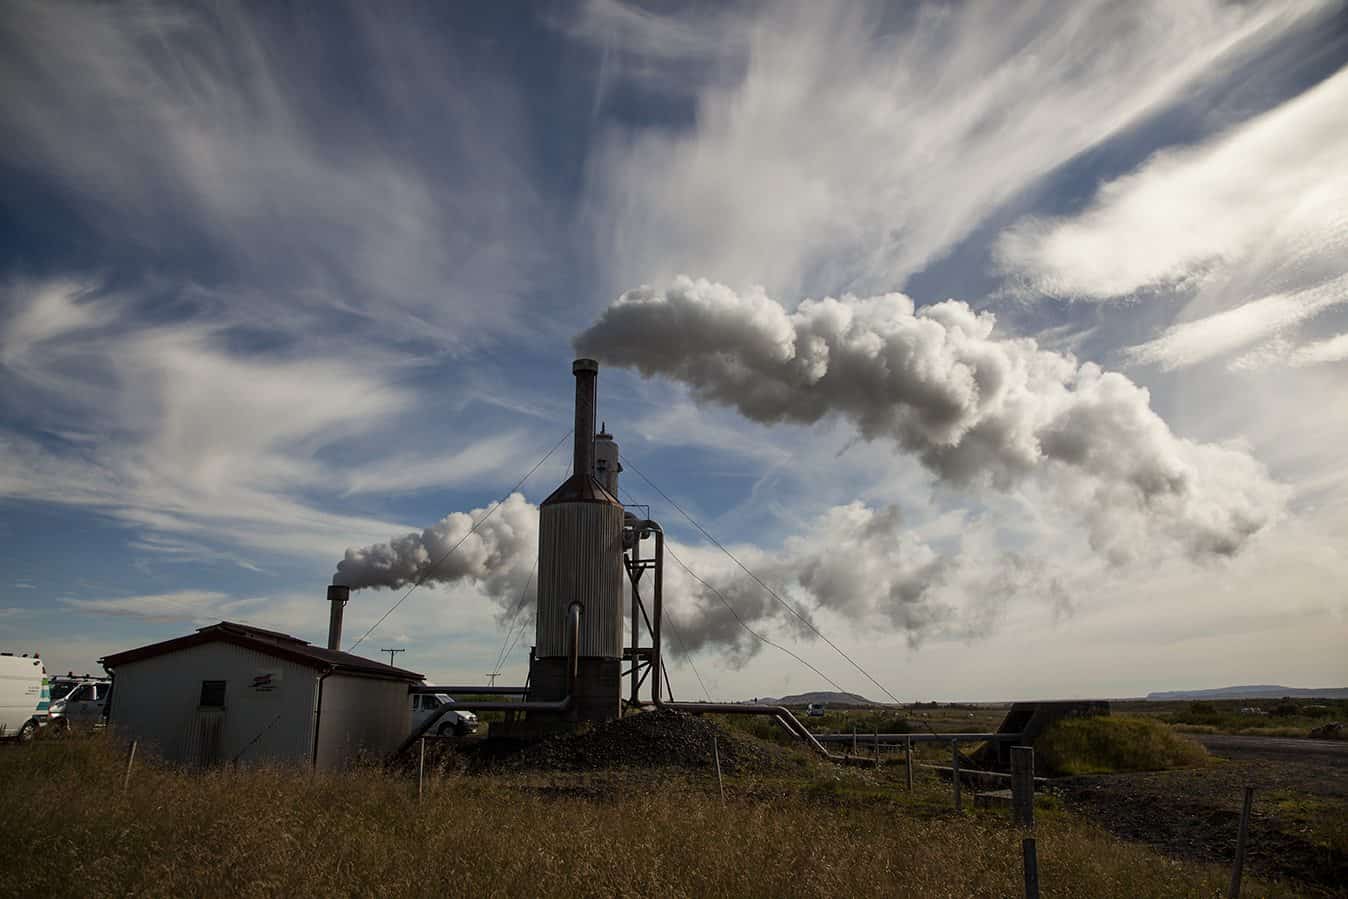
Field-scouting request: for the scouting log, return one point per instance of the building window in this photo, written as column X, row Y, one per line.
column 213, row 694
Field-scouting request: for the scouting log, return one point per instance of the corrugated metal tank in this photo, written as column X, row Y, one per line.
column 580, row 542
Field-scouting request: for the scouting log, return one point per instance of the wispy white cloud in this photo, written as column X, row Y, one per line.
column 1223, row 333
column 190, row 438
column 180, row 127
column 859, row 144
column 1268, row 199
column 1335, row 349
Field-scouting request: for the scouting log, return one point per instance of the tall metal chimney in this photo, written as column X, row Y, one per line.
column 586, row 371
column 338, row 596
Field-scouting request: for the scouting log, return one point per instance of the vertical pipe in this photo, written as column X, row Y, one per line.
column 908, row 760
column 1241, row 838
column 636, row 621
column 574, row 611
column 658, row 609
column 337, row 599
column 586, row 371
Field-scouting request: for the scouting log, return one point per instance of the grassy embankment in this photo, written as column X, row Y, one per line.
column 1116, row 743
column 68, row 829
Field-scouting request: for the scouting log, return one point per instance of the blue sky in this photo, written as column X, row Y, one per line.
column 277, row 285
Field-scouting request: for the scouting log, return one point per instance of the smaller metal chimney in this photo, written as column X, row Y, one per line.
column 586, row 372
column 338, row 596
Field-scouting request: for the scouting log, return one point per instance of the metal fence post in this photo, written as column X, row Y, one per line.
column 908, row 760
column 716, row 753
column 421, row 770
column 877, row 746
column 1031, row 868
column 1022, row 785
column 955, row 772
column 1241, row 838
column 130, row 757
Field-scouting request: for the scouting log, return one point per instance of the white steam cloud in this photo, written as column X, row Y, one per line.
column 861, row 564
column 855, row 561
column 973, row 407
column 497, row 557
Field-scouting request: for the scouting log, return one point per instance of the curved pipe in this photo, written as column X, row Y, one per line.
column 487, row 705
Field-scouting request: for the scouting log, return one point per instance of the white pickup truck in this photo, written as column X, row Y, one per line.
column 78, row 702
column 454, row 722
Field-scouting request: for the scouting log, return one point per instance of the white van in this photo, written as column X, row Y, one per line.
column 424, row 705
column 24, row 696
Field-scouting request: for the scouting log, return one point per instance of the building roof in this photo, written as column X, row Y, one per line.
column 273, row 643
column 580, row 488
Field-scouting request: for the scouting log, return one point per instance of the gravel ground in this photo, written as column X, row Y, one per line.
column 1195, row 813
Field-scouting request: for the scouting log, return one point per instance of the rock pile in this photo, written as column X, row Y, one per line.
column 656, row 739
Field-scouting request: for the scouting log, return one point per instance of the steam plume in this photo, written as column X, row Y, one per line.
column 498, row 556
column 973, row 407
column 856, row 561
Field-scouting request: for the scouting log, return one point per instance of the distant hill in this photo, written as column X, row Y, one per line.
column 1255, row 691
column 830, row 698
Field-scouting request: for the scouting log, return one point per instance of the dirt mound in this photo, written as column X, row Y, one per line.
column 657, row 739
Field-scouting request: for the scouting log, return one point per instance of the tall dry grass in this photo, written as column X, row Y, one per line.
column 69, row 830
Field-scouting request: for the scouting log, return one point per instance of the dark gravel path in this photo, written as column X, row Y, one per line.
column 1281, row 749
column 1296, row 831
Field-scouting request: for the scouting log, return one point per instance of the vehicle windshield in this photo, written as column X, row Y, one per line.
column 59, row 691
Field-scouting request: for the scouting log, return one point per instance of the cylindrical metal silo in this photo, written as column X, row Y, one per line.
column 580, row 546
column 580, row 561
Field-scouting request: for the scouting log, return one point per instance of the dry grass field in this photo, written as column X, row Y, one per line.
column 69, row 829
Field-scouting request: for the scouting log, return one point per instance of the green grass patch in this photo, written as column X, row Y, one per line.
column 1117, row 743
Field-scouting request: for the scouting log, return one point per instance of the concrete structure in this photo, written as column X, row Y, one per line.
column 235, row 693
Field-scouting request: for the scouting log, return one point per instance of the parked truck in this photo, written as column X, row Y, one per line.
column 25, row 696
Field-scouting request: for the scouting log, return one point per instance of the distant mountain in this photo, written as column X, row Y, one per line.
column 1255, row 691
column 825, row 697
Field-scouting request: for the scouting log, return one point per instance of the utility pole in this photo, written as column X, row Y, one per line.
column 491, row 678
column 390, row 654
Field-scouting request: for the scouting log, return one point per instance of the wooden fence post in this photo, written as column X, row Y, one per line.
column 955, row 772
column 1241, row 838
column 1022, row 785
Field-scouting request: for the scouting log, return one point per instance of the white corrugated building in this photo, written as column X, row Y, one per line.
column 235, row 693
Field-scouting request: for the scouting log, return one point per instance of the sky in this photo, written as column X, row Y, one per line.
column 1004, row 347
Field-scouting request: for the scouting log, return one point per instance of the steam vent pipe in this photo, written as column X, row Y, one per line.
column 586, row 372
column 338, row 596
